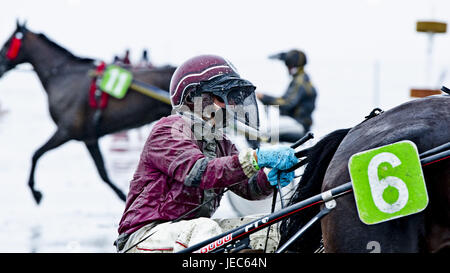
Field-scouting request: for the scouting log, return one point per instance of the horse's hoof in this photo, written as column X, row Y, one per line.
column 37, row 196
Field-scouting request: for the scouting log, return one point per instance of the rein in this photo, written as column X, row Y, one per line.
column 301, row 141
column 218, row 242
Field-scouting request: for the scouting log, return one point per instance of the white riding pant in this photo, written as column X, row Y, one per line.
column 172, row 237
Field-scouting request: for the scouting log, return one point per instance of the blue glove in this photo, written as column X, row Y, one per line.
column 285, row 178
column 281, row 158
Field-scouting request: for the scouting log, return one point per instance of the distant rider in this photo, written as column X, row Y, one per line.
column 299, row 99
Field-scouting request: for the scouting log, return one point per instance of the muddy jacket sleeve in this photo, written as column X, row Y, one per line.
column 175, row 153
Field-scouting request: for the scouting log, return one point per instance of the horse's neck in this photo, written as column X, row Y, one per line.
column 47, row 60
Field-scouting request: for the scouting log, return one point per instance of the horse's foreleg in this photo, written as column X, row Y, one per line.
column 58, row 138
column 94, row 150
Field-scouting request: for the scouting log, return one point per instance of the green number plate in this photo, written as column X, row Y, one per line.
column 115, row 81
column 388, row 182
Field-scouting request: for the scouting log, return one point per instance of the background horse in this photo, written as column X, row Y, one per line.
column 66, row 80
column 426, row 122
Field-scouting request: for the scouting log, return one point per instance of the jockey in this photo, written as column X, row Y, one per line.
column 126, row 57
column 187, row 162
column 145, row 61
column 299, row 99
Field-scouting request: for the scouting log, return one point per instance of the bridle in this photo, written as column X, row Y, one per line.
column 14, row 46
column 11, row 53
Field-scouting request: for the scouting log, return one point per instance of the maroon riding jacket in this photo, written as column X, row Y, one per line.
column 159, row 190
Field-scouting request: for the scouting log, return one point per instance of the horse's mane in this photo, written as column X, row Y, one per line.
column 318, row 158
column 64, row 50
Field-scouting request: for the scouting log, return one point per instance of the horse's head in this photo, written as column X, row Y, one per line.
column 11, row 53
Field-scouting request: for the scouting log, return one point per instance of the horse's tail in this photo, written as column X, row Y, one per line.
column 318, row 158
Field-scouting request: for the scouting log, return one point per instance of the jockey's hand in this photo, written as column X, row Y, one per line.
column 285, row 178
column 281, row 158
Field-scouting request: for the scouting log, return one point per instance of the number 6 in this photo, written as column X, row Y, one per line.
column 378, row 186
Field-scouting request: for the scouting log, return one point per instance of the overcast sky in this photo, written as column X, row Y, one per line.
column 176, row 29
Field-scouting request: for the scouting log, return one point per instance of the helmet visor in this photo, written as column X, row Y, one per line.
column 242, row 107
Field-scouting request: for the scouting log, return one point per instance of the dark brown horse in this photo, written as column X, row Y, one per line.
column 66, row 80
column 425, row 122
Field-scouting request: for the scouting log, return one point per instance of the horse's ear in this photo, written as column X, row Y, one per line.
column 21, row 27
